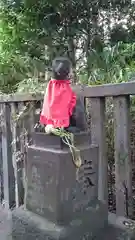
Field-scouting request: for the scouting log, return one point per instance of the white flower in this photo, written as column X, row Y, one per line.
column 49, row 128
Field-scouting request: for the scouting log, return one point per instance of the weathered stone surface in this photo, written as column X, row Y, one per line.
column 52, row 189
column 29, row 226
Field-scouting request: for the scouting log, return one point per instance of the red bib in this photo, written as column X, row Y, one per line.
column 59, row 102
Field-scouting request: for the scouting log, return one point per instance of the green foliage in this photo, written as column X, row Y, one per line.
column 32, row 33
column 113, row 64
column 32, row 85
column 15, row 63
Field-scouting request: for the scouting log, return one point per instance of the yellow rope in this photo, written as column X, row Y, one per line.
column 67, row 138
column 75, row 153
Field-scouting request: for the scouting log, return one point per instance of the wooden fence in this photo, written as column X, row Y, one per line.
column 14, row 139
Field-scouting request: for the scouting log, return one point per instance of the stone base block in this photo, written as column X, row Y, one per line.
column 29, row 226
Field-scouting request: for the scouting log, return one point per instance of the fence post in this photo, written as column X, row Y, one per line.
column 98, row 136
column 8, row 172
column 17, row 154
column 31, row 120
column 123, row 166
column 23, row 147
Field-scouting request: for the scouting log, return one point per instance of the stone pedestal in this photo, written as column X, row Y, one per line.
column 57, row 206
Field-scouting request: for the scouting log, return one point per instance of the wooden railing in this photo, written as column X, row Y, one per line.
column 12, row 165
column 14, row 138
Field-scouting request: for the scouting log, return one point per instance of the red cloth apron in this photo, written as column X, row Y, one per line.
column 59, row 102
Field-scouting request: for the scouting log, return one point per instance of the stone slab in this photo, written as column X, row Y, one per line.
column 29, row 226
column 55, row 142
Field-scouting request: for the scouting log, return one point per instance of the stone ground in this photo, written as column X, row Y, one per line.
column 113, row 234
column 6, row 224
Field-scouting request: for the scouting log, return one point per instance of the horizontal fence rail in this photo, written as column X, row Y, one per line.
column 15, row 137
column 105, row 90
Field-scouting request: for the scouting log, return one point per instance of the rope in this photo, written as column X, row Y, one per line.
column 67, row 138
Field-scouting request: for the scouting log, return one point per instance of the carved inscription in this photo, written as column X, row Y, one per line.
column 85, row 175
column 84, row 186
